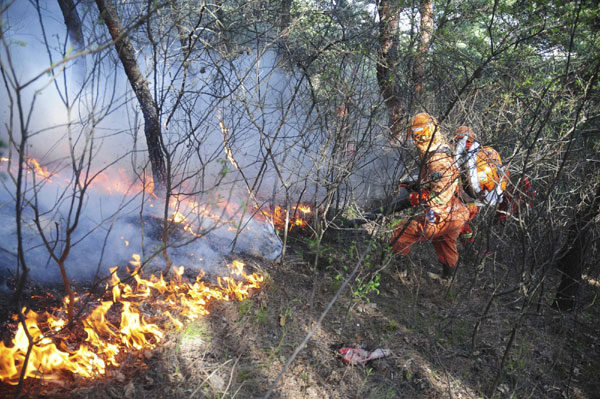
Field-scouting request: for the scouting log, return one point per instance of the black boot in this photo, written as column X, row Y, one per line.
column 447, row 272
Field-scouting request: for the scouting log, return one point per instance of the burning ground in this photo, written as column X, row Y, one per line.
column 446, row 341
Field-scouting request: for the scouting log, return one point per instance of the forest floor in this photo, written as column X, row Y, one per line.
column 446, row 340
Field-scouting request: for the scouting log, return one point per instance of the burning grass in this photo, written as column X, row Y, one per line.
column 131, row 317
column 299, row 216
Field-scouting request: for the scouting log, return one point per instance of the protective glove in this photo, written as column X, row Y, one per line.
column 466, row 234
column 416, row 198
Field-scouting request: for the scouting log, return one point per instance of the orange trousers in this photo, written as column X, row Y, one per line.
column 443, row 235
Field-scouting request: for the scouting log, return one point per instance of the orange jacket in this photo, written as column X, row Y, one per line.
column 440, row 174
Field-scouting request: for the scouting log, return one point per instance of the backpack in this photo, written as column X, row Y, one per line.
column 483, row 176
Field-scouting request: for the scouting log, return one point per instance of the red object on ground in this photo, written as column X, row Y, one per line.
column 361, row 356
column 487, row 252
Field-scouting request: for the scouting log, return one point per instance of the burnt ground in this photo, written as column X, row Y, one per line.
column 446, row 340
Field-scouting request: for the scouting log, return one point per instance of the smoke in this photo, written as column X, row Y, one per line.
column 117, row 221
column 98, row 129
column 242, row 134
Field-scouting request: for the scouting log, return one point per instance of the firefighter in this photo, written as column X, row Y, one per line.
column 444, row 213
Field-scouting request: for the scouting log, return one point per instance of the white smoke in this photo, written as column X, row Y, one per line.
column 113, row 226
column 104, row 126
column 277, row 141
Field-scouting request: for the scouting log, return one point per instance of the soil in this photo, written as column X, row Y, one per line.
column 490, row 332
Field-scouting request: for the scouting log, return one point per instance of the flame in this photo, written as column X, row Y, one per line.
column 32, row 165
column 122, row 184
column 183, row 210
column 108, row 337
column 38, row 169
column 298, row 217
column 118, row 323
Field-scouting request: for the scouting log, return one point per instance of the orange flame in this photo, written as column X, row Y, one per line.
column 34, row 166
column 116, row 325
column 106, row 339
column 39, row 170
column 122, row 184
column 182, row 208
column 298, row 216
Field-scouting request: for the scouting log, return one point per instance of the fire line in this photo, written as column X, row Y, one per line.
column 110, row 333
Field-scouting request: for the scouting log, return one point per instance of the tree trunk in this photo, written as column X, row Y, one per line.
column 570, row 263
column 426, row 31
column 73, row 23
column 387, row 61
column 284, row 14
column 139, row 85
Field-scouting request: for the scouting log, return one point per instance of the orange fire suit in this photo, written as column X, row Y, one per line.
column 445, row 213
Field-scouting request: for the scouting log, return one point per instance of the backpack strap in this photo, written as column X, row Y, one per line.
column 436, row 176
column 445, row 150
column 442, row 150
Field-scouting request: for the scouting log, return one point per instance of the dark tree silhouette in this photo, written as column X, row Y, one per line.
column 387, row 61
column 140, row 87
column 73, row 23
column 570, row 263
